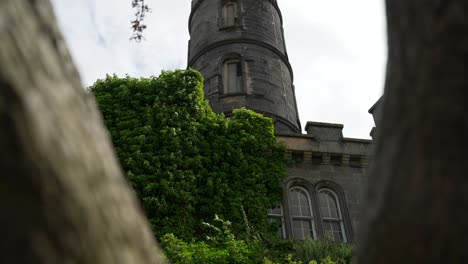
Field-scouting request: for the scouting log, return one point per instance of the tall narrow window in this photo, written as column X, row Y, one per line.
column 275, row 216
column 301, row 214
column 230, row 14
column 233, row 76
column 332, row 219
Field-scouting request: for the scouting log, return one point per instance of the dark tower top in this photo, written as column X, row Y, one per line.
column 238, row 46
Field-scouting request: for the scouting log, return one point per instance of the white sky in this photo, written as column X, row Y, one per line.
column 337, row 49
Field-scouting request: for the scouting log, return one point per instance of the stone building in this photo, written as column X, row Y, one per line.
column 239, row 47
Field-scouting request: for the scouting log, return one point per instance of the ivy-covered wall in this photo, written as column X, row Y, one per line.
column 187, row 163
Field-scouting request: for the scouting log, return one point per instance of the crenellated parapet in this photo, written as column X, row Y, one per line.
column 324, row 161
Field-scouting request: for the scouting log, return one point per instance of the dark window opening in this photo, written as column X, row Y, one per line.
column 317, row 157
column 297, row 156
column 355, row 161
column 335, row 159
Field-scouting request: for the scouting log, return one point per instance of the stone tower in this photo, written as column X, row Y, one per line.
column 239, row 47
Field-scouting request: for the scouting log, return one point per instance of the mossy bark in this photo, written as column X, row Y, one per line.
column 418, row 202
column 63, row 197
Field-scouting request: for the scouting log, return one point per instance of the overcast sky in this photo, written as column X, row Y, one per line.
column 337, row 49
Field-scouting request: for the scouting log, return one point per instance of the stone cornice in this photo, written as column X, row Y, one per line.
column 357, row 140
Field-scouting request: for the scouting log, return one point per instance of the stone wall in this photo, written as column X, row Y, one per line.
column 257, row 40
column 320, row 160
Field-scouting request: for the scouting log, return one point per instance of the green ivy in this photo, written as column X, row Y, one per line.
column 187, row 163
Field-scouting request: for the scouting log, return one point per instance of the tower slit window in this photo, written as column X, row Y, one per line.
column 233, row 76
column 230, row 13
column 332, row 219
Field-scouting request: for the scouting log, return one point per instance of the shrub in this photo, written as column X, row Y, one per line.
column 324, row 250
column 221, row 247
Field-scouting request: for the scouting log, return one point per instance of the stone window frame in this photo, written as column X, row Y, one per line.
column 313, row 190
column 331, row 219
column 297, row 156
column 279, row 217
column 237, row 14
column 229, row 58
column 355, row 160
column 309, row 188
column 317, row 157
column 336, row 159
column 340, row 195
column 311, row 219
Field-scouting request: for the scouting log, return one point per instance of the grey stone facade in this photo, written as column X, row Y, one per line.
column 323, row 158
column 256, row 39
column 328, row 171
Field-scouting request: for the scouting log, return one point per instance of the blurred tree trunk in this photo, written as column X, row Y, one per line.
column 418, row 197
column 63, row 197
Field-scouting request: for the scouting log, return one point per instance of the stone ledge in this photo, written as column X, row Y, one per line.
column 283, row 134
column 359, row 140
column 322, row 124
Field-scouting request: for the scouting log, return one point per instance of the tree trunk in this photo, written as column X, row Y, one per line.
column 418, row 197
column 63, row 197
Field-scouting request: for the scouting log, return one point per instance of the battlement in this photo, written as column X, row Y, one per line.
column 324, row 131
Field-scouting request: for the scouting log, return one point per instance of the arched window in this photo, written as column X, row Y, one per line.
column 332, row 219
column 233, row 82
column 301, row 214
column 230, row 13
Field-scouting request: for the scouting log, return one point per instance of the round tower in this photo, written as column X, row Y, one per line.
column 238, row 46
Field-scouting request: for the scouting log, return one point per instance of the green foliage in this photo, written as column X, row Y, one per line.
column 187, row 163
column 325, row 250
column 223, row 247
column 312, row 252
